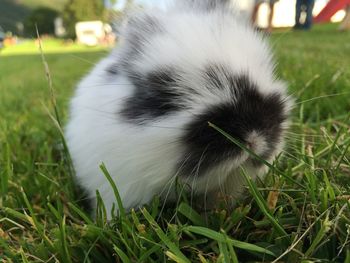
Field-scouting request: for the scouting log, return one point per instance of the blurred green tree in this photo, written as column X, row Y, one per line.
column 44, row 18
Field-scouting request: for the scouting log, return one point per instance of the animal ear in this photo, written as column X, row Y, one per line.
column 206, row 5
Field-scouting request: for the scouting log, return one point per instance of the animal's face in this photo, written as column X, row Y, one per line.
column 256, row 120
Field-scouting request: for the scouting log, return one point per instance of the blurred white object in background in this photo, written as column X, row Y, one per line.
column 90, row 33
column 345, row 25
column 60, row 31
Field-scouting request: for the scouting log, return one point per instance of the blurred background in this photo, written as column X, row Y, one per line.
column 90, row 22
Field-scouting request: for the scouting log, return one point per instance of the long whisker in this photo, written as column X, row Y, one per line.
column 322, row 97
column 81, row 59
column 170, row 187
column 303, row 134
column 291, row 142
column 205, row 200
column 179, row 197
column 296, row 159
column 302, row 139
column 197, row 171
column 289, row 139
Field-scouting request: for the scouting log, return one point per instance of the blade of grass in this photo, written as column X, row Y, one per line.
column 16, row 214
column 347, row 259
column 329, row 187
column 191, row 214
column 54, row 211
column 172, row 247
column 126, row 243
column 63, row 238
column 8, row 220
column 233, row 254
column 346, row 150
column 6, row 174
column 121, row 254
column 220, row 238
column 77, row 210
column 325, row 228
column 202, row 259
column 173, row 257
column 301, row 124
column 23, row 256
column 148, row 253
column 48, row 77
column 115, row 190
column 56, row 118
column 263, row 206
column 87, row 253
column 101, row 212
column 35, row 223
column 64, row 243
column 224, row 251
column 334, row 144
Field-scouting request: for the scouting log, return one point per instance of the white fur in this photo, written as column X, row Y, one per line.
column 142, row 159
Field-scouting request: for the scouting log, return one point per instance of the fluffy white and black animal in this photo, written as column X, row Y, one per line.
column 144, row 110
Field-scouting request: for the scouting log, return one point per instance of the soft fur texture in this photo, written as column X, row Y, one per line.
column 144, row 110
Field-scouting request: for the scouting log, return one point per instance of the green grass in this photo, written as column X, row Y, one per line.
column 300, row 213
column 29, row 47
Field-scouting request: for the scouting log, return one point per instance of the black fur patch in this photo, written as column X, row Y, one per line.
column 155, row 96
column 252, row 111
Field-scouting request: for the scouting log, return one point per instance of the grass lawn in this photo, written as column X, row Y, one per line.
column 300, row 213
column 51, row 46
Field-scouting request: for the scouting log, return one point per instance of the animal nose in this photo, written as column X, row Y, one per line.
column 250, row 145
column 256, row 142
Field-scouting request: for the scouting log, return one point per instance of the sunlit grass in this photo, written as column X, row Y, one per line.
column 31, row 47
